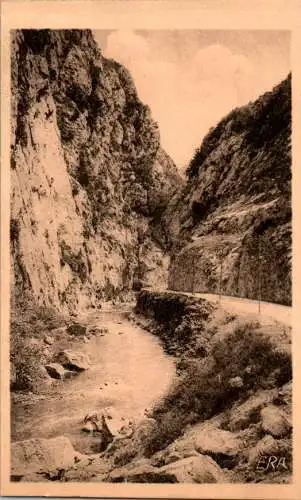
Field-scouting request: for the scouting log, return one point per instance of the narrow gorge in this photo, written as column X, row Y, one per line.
column 114, row 357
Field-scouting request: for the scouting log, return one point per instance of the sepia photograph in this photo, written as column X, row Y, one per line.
column 150, row 240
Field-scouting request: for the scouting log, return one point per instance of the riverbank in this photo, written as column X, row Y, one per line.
column 204, row 411
column 233, row 375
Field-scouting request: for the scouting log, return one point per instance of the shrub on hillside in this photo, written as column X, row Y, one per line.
column 28, row 319
column 168, row 429
column 125, row 454
column 27, row 359
column 248, row 346
column 205, row 388
column 29, row 322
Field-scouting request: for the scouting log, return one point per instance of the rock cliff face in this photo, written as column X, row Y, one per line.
column 89, row 180
column 232, row 221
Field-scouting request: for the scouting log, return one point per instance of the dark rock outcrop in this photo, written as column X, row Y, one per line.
column 76, row 329
column 178, row 319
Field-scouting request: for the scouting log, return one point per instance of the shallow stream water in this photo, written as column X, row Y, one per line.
column 129, row 372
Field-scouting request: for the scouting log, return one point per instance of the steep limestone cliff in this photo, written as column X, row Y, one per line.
column 232, row 221
column 89, row 180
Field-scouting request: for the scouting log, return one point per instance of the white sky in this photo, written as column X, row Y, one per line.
column 191, row 79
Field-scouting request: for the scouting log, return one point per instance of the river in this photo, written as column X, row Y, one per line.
column 129, row 372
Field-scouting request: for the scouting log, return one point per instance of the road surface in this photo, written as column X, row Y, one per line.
column 268, row 311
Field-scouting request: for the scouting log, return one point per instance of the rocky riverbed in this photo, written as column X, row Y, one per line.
column 127, row 372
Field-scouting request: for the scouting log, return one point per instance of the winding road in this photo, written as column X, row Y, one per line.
column 266, row 312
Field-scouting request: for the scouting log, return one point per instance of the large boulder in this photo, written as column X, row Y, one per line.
column 267, row 446
column 195, row 469
column 275, row 421
column 139, row 471
column 94, row 467
column 243, row 414
column 76, row 329
column 183, row 447
column 201, row 469
column 55, row 370
column 73, row 360
column 211, row 440
column 172, row 454
column 40, row 455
